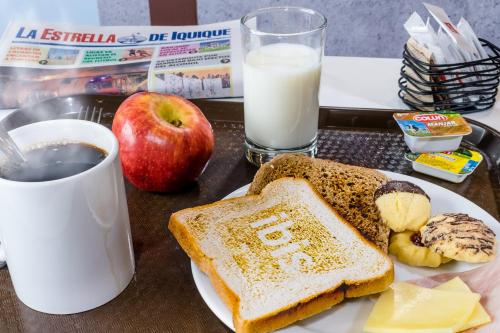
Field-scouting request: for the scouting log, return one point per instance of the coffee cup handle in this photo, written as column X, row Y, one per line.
column 2, row 256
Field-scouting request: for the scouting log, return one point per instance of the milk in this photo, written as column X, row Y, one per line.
column 281, row 83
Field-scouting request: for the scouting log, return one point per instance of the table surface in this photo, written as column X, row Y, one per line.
column 162, row 296
column 373, row 83
column 346, row 82
column 367, row 83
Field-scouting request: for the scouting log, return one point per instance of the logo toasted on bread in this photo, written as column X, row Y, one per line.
column 281, row 238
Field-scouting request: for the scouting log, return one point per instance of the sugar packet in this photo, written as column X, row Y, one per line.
column 466, row 30
column 468, row 50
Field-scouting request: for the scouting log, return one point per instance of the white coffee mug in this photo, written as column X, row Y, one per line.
column 67, row 242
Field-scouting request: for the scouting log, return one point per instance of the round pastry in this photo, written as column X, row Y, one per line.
column 460, row 237
column 402, row 205
column 406, row 246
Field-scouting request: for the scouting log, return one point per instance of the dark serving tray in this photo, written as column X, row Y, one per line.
column 162, row 296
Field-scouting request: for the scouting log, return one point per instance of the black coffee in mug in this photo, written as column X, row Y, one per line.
column 54, row 161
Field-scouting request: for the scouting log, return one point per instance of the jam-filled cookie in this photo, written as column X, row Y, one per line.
column 460, row 237
column 407, row 247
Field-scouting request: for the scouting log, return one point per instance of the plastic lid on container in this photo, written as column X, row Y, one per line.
column 435, row 124
column 459, row 162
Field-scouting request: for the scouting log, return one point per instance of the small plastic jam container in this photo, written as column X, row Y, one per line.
column 452, row 166
column 432, row 132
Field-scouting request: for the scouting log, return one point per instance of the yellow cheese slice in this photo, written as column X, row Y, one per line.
column 407, row 308
column 479, row 315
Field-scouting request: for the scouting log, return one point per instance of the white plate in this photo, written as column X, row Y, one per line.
column 350, row 315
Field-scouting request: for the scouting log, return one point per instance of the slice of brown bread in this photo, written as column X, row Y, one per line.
column 349, row 189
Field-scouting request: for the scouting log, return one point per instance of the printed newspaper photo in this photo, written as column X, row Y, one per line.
column 38, row 62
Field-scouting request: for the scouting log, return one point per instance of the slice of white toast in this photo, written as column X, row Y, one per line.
column 280, row 256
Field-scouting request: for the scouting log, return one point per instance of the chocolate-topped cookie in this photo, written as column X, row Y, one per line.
column 402, row 205
column 398, row 186
column 460, row 237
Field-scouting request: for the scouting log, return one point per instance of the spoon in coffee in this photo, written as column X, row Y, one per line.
column 10, row 149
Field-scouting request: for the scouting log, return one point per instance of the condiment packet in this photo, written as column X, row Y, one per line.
column 444, row 21
column 452, row 166
column 449, row 48
column 423, row 54
column 449, row 45
column 427, row 46
column 451, row 54
column 438, row 124
column 466, row 30
column 466, row 51
column 419, row 31
column 465, row 47
column 424, row 34
column 432, row 132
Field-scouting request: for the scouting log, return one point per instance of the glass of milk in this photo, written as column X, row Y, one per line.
column 282, row 50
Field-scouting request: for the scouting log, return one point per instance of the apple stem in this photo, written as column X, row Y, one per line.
column 176, row 123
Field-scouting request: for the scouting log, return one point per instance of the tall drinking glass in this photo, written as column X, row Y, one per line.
column 282, row 49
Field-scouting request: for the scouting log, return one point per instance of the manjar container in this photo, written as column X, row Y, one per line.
column 432, row 132
column 451, row 166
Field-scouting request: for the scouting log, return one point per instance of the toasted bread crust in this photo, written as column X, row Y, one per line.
column 190, row 246
column 293, row 312
column 373, row 286
column 284, row 318
column 349, row 189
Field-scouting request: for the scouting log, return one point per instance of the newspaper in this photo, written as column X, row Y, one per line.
column 40, row 61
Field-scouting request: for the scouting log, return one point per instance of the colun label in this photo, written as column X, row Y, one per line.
column 430, row 117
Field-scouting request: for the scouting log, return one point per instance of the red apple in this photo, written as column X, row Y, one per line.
column 165, row 141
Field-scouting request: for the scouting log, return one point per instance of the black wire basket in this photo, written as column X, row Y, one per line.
column 462, row 87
